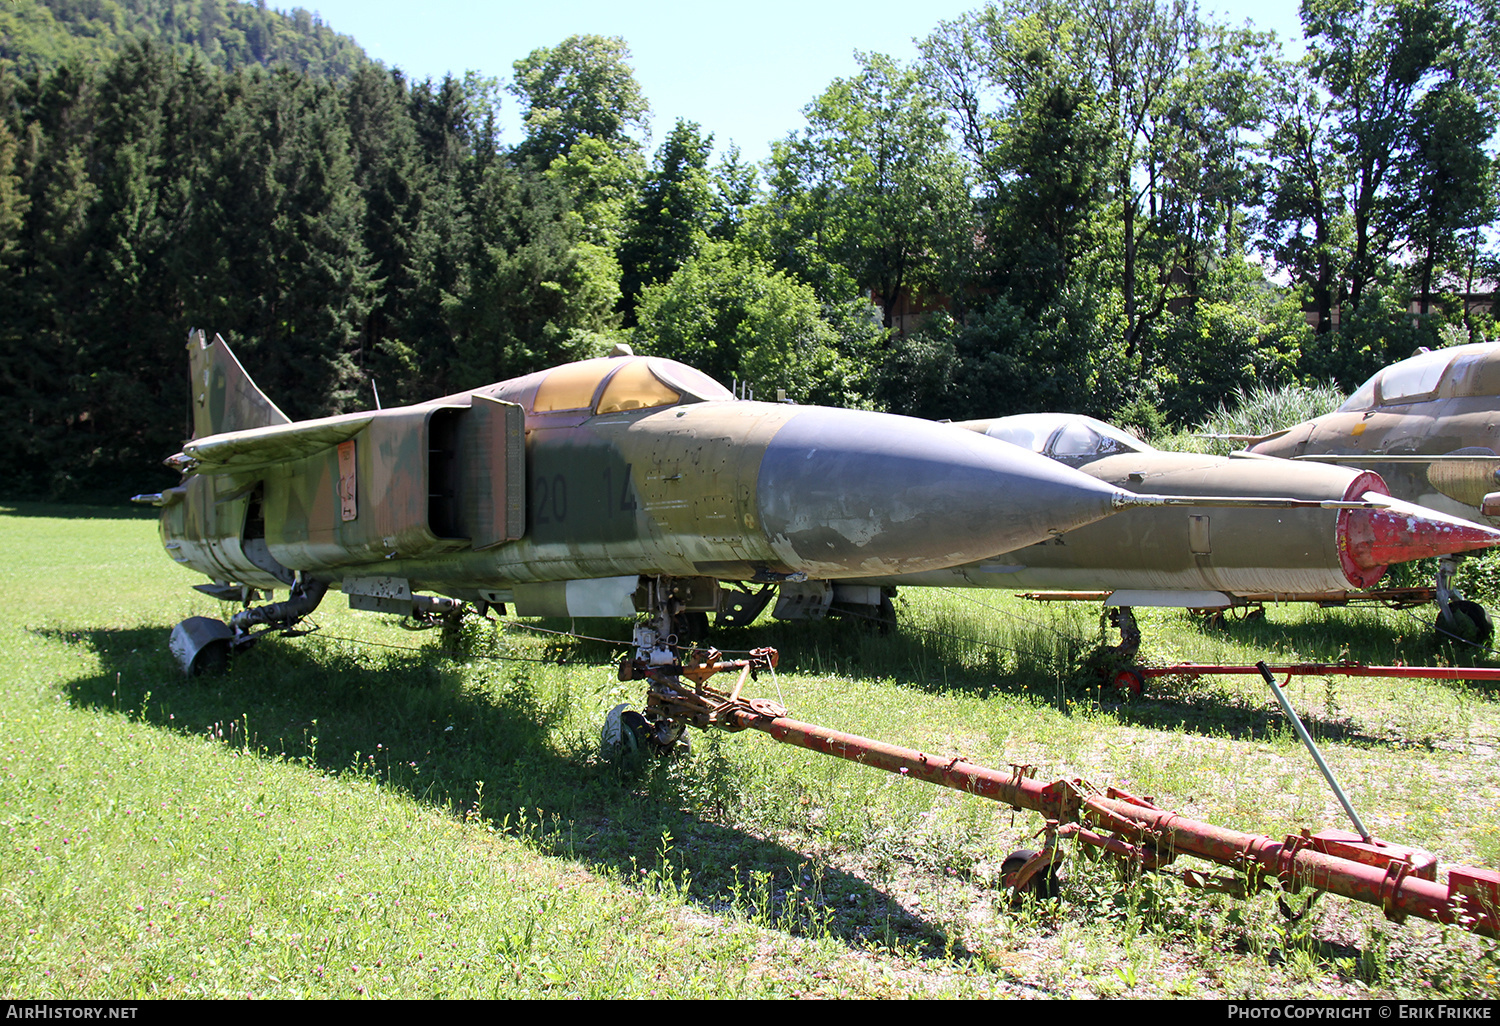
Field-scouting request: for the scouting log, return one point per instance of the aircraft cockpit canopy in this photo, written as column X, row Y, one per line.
column 1069, row 438
column 1468, row 370
column 613, row 385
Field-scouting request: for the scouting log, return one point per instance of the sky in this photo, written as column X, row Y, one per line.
column 742, row 71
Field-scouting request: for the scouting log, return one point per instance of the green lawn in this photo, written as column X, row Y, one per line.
column 358, row 813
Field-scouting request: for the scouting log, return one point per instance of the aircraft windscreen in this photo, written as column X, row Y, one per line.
column 691, row 382
column 1467, row 374
column 1362, row 399
column 1419, row 377
column 1028, row 430
column 633, row 383
column 1075, row 439
column 1064, row 435
column 1109, row 439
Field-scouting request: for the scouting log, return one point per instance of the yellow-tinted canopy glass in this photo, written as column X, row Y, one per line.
column 572, row 386
column 634, row 387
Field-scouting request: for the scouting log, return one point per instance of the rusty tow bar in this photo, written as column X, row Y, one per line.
column 1402, row 881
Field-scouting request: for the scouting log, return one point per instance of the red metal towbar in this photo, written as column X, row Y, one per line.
column 1400, row 880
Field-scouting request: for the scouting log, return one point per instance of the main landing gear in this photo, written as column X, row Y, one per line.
column 1458, row 618
column 202, row 644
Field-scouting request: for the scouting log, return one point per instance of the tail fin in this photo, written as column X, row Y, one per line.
column 224, row 397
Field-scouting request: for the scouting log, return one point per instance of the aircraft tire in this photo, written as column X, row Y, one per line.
column 1471, row 623
column 627, row 738
column 690, row 627
column 211, row 661
column 623, row 735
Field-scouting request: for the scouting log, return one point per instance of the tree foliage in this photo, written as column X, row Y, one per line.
column 873, row 194
column 1116, row 207
column 736, row 318
column 1382, row 149
column 226, row 34
column 337, row 234
column 583, row 88
column 672, row 214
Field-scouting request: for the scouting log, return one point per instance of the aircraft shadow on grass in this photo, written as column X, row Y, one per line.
column 409, row 720
column 330, row 706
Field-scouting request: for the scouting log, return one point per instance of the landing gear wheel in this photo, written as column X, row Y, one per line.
column 211, row 661
column 453, row 638
column 1122, row 618
column 690, row 627
column 624, row 733
column 1470, row 623
column 1043, row 884
column 202, row 645
column 628, row 737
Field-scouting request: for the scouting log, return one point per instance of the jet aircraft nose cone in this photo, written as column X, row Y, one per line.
column 849, row 493
column 1372, row 539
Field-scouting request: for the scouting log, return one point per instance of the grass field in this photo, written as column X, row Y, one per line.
column 359, row 813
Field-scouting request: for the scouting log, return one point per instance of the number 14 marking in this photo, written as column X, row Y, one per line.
column 624, row 504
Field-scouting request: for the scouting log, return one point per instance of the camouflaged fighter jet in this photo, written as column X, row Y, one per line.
column 1189, row 557
column 597, row 488
column 1429, row 424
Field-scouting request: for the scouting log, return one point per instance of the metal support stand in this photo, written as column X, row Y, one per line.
column 1291, row 714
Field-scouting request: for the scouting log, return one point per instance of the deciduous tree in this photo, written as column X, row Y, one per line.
column 874, row 187
column 582, row 88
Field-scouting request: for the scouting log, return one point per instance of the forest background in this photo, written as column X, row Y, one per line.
column 1114, row 207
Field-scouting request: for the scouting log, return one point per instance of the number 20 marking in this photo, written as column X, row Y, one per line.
column 558, row 503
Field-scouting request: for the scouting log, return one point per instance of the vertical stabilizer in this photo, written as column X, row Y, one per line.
column 224, row 397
